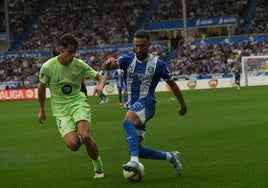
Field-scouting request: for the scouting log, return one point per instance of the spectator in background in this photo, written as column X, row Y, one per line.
column 237, row 74
column 118, row 75
column 103, row 98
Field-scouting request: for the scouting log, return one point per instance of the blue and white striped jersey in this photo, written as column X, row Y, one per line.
column 142, row 78
column 118, row 75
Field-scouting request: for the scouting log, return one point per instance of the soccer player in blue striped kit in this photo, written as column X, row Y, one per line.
column 142, row 72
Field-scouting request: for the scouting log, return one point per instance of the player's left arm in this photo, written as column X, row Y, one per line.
column 177, row 92
column 101, row 83
column 166, row 75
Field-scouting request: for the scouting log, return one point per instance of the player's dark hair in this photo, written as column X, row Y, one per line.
column 142, row 34
column 68, row 39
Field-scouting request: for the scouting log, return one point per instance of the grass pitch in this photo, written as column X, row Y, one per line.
column 223, row 142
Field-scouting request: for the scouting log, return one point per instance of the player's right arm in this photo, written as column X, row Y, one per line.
column 110, row 64
column 101, row 83
column 41, row 98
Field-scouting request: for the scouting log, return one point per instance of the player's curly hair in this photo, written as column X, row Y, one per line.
column 68, row 39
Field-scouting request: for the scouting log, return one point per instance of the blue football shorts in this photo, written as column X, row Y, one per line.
column 145, row 110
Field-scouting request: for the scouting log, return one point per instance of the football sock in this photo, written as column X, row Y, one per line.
column 149, row 153
column 134, row 158
column 169, row 156
column 98, row 166
column 131, row 137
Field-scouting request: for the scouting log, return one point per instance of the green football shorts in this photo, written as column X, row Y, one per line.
column 68, row 123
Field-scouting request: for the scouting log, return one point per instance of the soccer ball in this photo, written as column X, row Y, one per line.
column 132, row 177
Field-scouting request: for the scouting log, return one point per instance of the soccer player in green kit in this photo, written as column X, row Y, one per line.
column 63, row 75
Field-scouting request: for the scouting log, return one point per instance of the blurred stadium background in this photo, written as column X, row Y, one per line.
column 223, row 138
column 198, row 38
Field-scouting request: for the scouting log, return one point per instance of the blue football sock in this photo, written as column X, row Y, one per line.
column 131, row 137
column 149, row 153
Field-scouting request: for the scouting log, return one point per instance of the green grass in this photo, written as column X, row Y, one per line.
column 223, row 141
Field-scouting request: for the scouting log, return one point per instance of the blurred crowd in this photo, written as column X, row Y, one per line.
column 202, row 59
column 259, row 24
column 20, row 12
column 199, row 59
column 111, row 22
column 172, row 9
column 95, row 23
column 21, row 72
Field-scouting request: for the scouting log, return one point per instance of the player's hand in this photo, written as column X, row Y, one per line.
column 182, row 110
column 109, row 63
column 97, row 90
column 41, row 117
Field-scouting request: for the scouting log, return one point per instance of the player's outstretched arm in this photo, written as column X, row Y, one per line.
column 110, row 64
column 177, row 92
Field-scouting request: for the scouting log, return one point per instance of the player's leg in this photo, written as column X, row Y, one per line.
column 91, row 147
column 101, row 98
column 151, row 153
column 237, row 81
column 72, row 140
column 132, row 142
column 106, row 98
column 119, row 89
column 67, row 129
column 172, row 157
column 120, row 97
column 138, row 113
column 84, row 132
column 124, row 95
column 82, row 116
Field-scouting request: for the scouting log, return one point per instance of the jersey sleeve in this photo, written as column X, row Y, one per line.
column 44, row 74
column 90, row 72
column 164, row 71
column 124, row 60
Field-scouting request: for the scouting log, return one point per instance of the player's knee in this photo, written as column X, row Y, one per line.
column 86, row 138
column 74, row 146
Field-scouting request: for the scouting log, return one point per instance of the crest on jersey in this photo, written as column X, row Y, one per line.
column 150, row 69
column 67, row 89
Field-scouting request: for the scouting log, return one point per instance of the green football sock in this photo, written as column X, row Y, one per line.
column 98, row 166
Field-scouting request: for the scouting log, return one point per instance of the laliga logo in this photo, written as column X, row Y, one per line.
column 192, row 84
column 109, row 89
column 213, row 83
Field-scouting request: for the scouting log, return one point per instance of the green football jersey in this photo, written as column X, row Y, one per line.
column 64, row 82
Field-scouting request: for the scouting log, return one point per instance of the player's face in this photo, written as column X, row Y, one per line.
column 141, row 46
column 67, row 54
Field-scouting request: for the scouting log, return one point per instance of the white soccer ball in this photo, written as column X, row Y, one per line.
column 132, row 177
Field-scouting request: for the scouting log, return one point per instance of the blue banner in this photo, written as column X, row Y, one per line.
column 12, row 55
column 202, row 22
